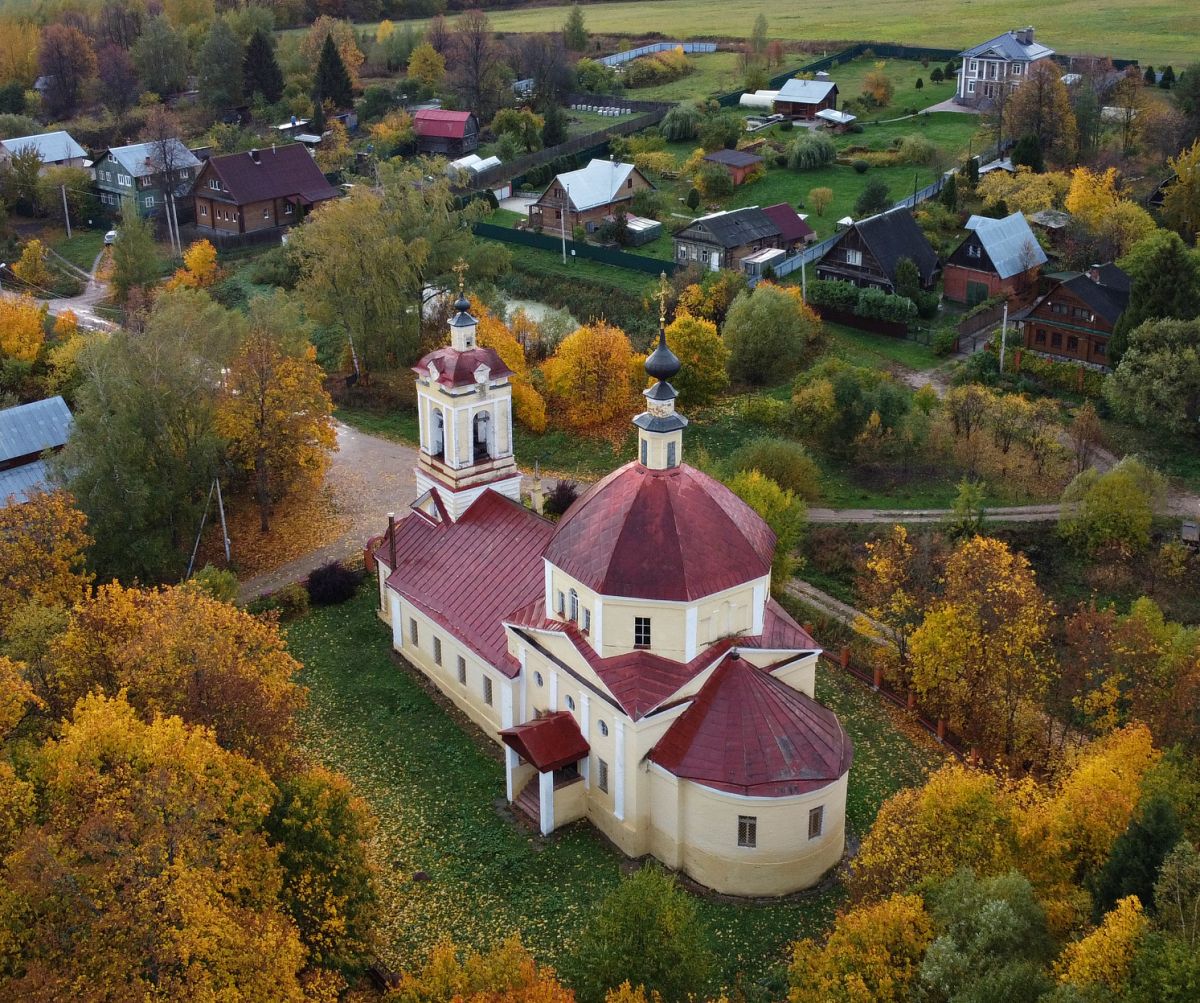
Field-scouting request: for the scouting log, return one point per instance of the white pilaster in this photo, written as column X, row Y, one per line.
column 521, row 657
column 585, row 709
column 553, row 691
column 598, row 626
column 549, row 586
column 619, row 770
column 689, row 635
column 546, row 800
column 397, row 621
column 760, row 607
column 506, row 705
column 510, row 767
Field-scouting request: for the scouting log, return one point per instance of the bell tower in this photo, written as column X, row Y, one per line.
column 660, row 426
column 464, row 409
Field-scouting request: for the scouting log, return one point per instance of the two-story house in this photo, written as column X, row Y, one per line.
column 999, row 63
column 258, row 190
column 1075, row 318
column 447, row 133
column 867, row 252
column 998, row 256
column 586, row 196
column 140, row 176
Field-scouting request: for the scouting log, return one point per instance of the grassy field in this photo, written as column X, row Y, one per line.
column 903, row 73
column 82, row 248
column 715, row 74
column 1153, row 31
column 438, row 793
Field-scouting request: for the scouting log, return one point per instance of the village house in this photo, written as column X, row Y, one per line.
column 726, row 239
column 27, row 433
column 57, row 149
column 867, row 252
column 802, row 99
column 994, row 68
column 998, row 256
column 258, row 190
column 135, row 177
column 629, row 659
column 1075, row 318
column 446, row 133
column 587, row 196
column 738, row 164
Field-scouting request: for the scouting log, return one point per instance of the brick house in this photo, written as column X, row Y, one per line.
column 1075, row 318
column 867, row 252
column 804, row 98
column 447, row 133
column 258, row 190
column 587, row 196
column 999, row 63
column 998, row 256
column 738, row 164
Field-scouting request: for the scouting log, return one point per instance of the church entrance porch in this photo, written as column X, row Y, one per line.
column 553, row 745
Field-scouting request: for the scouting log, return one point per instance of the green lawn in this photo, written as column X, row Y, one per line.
column 715, row 74
column 539, row 262
column 81, row 249
column 1154, row 31
column 876, row 350
column 903, row 73
column 438, row 793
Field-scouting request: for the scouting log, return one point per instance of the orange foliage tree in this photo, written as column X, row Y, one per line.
column 590, row 377
column 505, row 974
column 529, row 407
column 43, row 556
column 199, row 269
column 343, row 39
column 22, row 328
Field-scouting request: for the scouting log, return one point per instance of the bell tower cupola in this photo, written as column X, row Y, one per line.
column 660, row 426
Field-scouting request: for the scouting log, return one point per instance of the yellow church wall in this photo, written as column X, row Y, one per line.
column 799, row 675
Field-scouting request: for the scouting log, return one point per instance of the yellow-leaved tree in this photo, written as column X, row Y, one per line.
column 1095, row 201
column 199, row 269
column 703, row 356
column 427, row 65
column 873, row 955
column 31, row 267
column 529, row 408
column 981, row 656
column 344, row 41
column 44, row 555
column 1024, row 191
column 1181, row 199
column 590, row 376
column 505, row 974
column 22, row 327
column 1105, row 956
column 395, row 128
column 274, row 409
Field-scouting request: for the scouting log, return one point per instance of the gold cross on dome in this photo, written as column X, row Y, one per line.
column 664, row 291
column 460, row 269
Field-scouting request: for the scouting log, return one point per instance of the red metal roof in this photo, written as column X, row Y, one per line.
column 673, row 534
column 640, row 680
column 749, row 733
column 791, row 226
column 467, row 575
column 457, row 369
column 549, row 742
column 281, row 172
column 441, row 123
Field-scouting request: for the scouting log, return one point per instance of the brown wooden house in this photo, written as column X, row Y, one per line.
column 1075, row 317
column 738, row 164
column 258, row 190
column 587, row 196
column 802, row 99
column 998, row 256
column 448, row 133
column 867, row 252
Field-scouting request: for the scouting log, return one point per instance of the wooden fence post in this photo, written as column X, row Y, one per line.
column 877, row 678
column 912, row 699
column 845, row 657
column 941, row 729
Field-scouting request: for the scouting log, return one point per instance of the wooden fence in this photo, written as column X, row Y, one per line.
column 606, row 255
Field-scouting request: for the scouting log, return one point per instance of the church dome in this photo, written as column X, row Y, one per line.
column 674, row 534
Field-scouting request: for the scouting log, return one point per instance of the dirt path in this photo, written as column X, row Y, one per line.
column 85, row 305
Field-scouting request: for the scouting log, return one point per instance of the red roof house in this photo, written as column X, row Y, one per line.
column 446, row 132
column 793, row 231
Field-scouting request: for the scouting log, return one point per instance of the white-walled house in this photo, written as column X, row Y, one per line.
column 1000, row 63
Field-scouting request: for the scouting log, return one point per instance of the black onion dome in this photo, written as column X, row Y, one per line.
column 662, row 363
column 462, row 304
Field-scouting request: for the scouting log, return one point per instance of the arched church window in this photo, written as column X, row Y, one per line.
column 537, row 678
column 574, row 605
column 671, row 454
column 437, row 445
column 603, row 728
column 483, row 423
column 570, row 703
column 645, row 452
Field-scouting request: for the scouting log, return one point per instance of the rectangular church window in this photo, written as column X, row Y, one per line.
column 747, row 830
column 641, row 631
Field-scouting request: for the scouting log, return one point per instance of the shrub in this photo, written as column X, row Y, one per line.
column 714, row 181
column 917, row 150
column 291, row 601
column 877, row 304
column 874, row 198
column 332, row 583
column 220, row 585
column 860, row 166
column 833, row 294
column 810, row 151
column 787, row 125
column 937, row 76
column 681, row 122
column 944, row 340
column 766, row 332
column 560, row 498
column 787, row 463
column 856, row 128
column 765, row 411
column 693, row 198
column 720, row 131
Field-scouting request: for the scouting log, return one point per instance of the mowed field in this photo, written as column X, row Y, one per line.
column 1152, row 31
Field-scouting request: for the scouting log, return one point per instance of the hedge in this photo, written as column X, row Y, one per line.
column 871, row 303
column 1061, row 376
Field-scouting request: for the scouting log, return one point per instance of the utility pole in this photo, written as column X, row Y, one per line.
column 66, row 211
column 1003, row 334
column 224, row 529
column 175, row 218
column 565, row 213
column 803, row 282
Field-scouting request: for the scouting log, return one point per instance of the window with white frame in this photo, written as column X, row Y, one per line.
column 462, row 670
column 747, row 830
column 816, row 820
column 412, row 631
column 574, row 605
column 587, row 621
column 641, row 631
column 602, row 775
column 148, row 201
column 437, row 651
column 204, row 210
column 560, row 605
column 287, row 209
column 487, row 691
column 267, row 212
column 853, row 257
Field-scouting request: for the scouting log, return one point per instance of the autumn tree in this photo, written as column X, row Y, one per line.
column 589, row 378
column 1177, row 893
column 647, row 932
column 335, row 152
column 22, row 328
column 819, row 199
column 980, row 656
column 878, row 86
column 703, row 358
column 478, row 74
column 31, row 267
column 67, row 61
column 274, row 411
column 505, row 974
column 43, row 559
column 529, row 407
column 1116, row 223
column 782, row 510
column 260, row 69
column 766, row 332
column 427, row 65
column 1024, row 190
column 1157, row 383
column 1181, row 199
column 1111, row 511
column 712, row 296
column 199, row 269
column 144, row 448
column 1104, row 958
column 391, row 132
column 138, row 820
column 1041, row 108
column 135, row 257
column 874, row 953
column 349, row 56
column 574, row 32
column 520, row 123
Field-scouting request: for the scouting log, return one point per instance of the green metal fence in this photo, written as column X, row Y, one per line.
column 606, row 255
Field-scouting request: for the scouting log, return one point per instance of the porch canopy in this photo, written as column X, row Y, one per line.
column 549, row 743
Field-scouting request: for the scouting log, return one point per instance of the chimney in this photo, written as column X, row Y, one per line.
column 1024, row 35
column 392, row 539
column 254, row 156
column 1093, row 273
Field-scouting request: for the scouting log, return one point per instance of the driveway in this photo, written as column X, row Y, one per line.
column 85, row 306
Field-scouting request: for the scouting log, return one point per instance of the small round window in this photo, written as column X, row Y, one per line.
column 537, row 678
column 570, row 703
column 603, row 728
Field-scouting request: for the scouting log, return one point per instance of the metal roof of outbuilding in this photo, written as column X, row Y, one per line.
column 29, row 429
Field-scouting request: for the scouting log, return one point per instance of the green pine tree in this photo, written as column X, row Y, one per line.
column 575, row 33
column 221, row 66
column 260, row 69
column 332, row 81
column 1132, row 866
column 1165, row 278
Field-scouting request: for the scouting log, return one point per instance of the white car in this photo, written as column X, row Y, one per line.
column 110, row 237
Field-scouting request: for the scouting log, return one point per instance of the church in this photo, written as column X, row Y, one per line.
column 629, row 659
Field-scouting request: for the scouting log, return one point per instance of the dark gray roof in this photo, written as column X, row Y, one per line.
column 733, row 158
column 731, row 229
column 893, row 235
column 1107, row 298
column 1008, row 47
column 29, row 429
